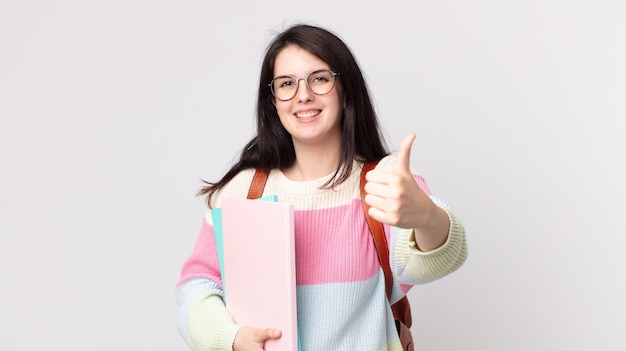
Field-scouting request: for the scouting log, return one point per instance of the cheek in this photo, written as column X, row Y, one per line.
column 283, row 113
column 281, row 109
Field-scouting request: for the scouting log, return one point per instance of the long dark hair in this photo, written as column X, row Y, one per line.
column 272, row 147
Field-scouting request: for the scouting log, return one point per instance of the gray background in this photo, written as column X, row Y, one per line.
column 112, row 111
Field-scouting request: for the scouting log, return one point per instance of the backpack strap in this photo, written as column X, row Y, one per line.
column 258, row 184
column 401, row 309
column 378, row 233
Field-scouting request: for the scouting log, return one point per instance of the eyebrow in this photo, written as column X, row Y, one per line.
column 293, row 75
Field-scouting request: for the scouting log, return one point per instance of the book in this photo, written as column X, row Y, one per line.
column 258, row 266
column 216, row 216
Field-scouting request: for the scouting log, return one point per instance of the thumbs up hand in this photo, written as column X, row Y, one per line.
column 394, row 196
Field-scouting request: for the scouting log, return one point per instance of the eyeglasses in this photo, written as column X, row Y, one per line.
column 318, row 82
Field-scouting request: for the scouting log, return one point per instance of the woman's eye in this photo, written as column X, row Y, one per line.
column 320, row 78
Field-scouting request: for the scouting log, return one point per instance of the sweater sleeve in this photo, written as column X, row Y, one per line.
column 203, row 321
column 413, row 266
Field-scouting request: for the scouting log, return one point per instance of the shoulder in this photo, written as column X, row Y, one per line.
column 387, row 163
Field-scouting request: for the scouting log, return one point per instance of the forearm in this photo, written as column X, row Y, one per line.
column 434, row 232
column 415, row 266
column 210, row 325
column 203, row 320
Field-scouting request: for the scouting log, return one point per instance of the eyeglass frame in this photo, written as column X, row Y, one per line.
column 306, row 82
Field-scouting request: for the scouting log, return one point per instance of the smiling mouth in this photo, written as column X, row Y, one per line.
column 308, row 114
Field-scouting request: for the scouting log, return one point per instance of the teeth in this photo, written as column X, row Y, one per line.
column 309, row 114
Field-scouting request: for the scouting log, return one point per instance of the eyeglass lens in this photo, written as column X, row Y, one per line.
column 319, row 82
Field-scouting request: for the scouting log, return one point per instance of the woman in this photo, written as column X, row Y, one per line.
column 316, row 127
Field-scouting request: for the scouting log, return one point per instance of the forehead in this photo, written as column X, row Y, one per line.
column 294, row 60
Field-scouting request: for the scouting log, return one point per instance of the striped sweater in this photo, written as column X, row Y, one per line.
column 341, row 300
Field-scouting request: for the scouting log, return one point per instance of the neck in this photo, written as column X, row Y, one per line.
column 313, row 162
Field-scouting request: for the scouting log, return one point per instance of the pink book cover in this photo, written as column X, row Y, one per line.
column 259, row 267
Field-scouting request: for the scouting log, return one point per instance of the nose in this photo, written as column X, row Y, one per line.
column 303, row 93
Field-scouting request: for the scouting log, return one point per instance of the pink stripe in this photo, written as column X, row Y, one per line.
column 203, row 261
column 334, row 245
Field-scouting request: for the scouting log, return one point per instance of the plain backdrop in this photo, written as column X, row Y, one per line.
column 111, row 113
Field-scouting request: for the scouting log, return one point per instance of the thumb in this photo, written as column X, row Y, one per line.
column 271, row 333
column 403, row 161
